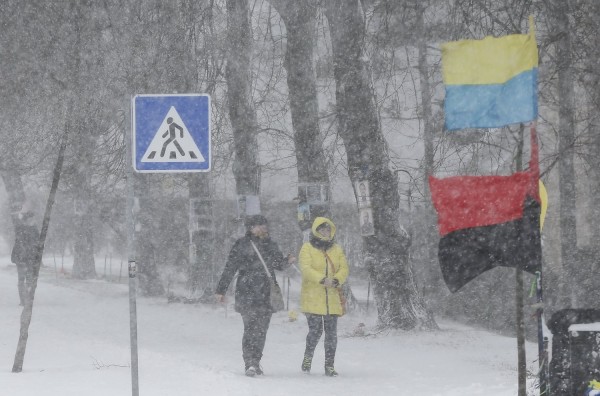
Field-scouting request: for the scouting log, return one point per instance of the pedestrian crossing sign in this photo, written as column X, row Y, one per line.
column 171, row 133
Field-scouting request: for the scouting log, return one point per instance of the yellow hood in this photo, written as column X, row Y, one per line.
column 321, row 220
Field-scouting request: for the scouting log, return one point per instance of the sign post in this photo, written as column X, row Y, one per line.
column 169, row 134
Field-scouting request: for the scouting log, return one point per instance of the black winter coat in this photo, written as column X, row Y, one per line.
column 253, row 287
column 26, row 240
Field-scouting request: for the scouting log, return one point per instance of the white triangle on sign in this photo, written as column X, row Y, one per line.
column 173, row 142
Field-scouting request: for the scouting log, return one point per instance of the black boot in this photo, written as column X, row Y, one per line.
column 306, row 362
column 259, row 370
column 330, row 371
column 250, row 371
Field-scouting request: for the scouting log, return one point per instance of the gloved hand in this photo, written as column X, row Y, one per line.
column 291, row 259
column 327, row 282
column 220, row 298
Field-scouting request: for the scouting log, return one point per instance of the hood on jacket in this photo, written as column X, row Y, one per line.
column 319, row 221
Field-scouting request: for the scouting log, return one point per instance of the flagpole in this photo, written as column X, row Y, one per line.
column 521, row 353
column 542, row 341
column 543, row 363
column 519, row 315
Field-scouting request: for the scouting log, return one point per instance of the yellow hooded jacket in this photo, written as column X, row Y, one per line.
column 315, row 298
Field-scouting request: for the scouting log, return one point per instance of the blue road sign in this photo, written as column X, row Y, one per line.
column 171, row 133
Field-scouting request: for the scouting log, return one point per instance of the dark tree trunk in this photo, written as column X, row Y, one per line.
column 594, row 98
column 399, row 303
column 566, row 134
column 84, row 265
column 201, row 266
column 300, row 21
column 146, row 228
column 16, row 193
column 202, row 271
column 27, row 312
column 246, row 167
column 14, row 188
column 594, row 149
column 432, row 281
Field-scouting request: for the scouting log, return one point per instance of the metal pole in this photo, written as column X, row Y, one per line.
column 288, row 294
column 519, row 315
column 133, row 329
column 521, row 354
column 132, row 266
column 542, row 341
column 368, row 294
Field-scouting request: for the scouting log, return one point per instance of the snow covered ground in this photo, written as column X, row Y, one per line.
column 79, row 345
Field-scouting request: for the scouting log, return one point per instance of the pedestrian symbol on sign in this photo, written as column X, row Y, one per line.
column 169, row 146
column 172, row 137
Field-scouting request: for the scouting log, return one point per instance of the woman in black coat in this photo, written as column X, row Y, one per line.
column 253, row 286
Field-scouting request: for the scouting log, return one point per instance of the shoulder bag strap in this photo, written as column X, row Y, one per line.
column 340, row 291
column 261, row 260
column 329, row 262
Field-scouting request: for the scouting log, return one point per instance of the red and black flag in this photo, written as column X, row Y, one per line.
column 488, row 221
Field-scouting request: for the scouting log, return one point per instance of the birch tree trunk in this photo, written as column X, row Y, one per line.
column 399, row 304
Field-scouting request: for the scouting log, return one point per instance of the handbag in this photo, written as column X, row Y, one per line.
column 341, row 293
column 276, row 295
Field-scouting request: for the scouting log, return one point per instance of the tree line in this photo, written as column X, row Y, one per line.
column 331, row 93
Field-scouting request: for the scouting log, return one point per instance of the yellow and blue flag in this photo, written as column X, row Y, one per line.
column 491, row 82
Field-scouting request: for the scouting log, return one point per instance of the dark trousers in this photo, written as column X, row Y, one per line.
column 316, row 325
column 256, row 324
column 24, row 280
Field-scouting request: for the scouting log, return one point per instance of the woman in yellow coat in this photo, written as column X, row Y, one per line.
column 324, row 270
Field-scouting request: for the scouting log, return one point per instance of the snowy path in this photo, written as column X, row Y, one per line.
column 79, row 345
